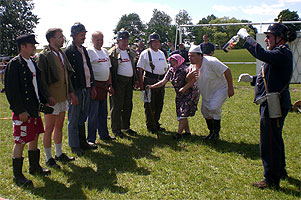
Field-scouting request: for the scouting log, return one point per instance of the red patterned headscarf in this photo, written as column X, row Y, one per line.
column 178, row 58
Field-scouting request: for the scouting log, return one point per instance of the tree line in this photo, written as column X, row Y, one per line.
column 17, row 18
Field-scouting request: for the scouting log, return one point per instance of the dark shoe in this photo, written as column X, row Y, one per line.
column 209, row 137
column 51, row 163
column 177, row 136
column 34, row 164
column 108, row 138
column 186, row 134
column 64, row 158
column 264, row 184
column 78, row 151
column 119, row 134
column 161, row 129
column 152, row 131
column 215, row 136
column 19, row 178
column 131, row 132
column 86, row 146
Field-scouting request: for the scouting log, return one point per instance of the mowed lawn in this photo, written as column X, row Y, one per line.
column 147, row 167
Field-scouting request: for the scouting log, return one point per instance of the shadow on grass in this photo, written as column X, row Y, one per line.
column 290, row 191
column 246, row 150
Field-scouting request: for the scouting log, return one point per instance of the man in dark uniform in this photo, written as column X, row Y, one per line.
column 84, row 86
column 275, row 74
column 22, row 80
column 207, row 47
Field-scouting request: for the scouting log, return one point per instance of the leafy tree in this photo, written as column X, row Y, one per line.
column 133, row 24
column 16, row 18
column 288, row 15
column 159, row 23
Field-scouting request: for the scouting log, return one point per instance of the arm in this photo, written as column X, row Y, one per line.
column 158, row 84
column 228, row 77
column 140, row 70
column 188, row 85
column 110, row 87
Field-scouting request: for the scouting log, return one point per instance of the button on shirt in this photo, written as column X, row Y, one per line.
column 124, row 64
column 100, row 63
column 86, row 68
column 34, row 75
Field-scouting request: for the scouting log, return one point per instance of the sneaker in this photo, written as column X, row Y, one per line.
column 119, row 134
column 131, row 132
column 51, row 163
column 264, row 184
column 64, row 158
column 78, row 151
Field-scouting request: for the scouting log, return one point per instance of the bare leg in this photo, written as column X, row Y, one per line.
column 18, row 150
column 182, row 125
column 58, row 128
column 49, row 126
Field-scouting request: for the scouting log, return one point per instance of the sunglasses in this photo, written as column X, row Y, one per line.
column 267, row 36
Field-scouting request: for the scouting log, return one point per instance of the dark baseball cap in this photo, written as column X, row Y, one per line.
column 26, row 38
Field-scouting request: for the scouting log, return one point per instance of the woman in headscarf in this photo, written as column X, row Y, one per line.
column 187, row 94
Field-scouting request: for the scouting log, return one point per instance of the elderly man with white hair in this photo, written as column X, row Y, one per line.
column 214, row 81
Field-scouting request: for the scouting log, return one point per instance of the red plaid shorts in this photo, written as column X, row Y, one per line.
column 25, row 132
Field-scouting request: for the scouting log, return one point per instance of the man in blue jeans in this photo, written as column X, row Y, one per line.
column 83, row 83
column 98, row 110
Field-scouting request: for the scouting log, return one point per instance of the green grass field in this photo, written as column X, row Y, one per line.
column 145, row 167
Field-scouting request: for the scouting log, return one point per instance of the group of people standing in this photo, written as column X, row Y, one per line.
column 78, row 80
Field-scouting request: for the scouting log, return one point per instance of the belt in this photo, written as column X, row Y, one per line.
column 154, row 76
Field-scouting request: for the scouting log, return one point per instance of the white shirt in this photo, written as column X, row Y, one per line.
column 100, row 63
column 34, row 75
column 211, row 77
column 158, row 59
column 124, row 64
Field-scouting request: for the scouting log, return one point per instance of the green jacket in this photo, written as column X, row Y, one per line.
column 46, row 62
column 114, row 57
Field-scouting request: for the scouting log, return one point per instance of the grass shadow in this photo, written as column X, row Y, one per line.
column 246, row 150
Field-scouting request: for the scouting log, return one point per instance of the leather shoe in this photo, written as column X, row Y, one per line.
column 108, row 138
column 119, row 134
column 131, row 132
column 264, row 184
column 64, row 158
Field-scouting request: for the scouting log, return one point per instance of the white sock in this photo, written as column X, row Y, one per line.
column 58, row 149
column 48, row 153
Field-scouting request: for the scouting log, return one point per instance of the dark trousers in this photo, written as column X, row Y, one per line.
column 157, row 100
column 272, row 145
column 122, row 104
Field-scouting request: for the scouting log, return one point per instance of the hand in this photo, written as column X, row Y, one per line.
column 181, row 90
column 111, row 90
column 230, row 92
column 51, row 101
column 93, row 93
column 148, row 87
column 243, row 33
column 73, row 99
column 23, row 116
column 245, row 78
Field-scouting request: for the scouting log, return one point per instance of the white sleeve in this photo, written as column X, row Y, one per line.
column 218, row 67
column 107, row 55
column 92, row 55
column 142, row 60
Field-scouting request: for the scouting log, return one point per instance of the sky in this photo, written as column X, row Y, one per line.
column 103, row 15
